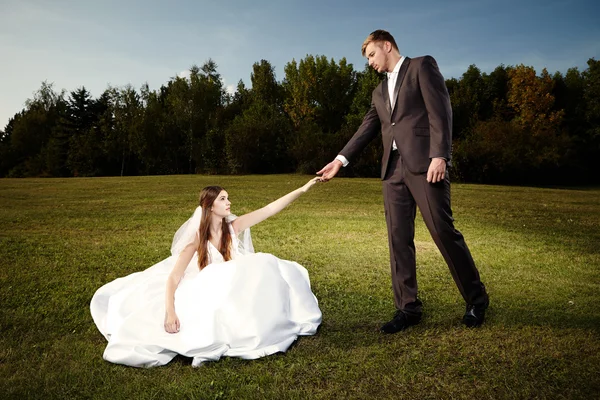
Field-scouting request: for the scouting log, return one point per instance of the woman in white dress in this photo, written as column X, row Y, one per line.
column 213, row 297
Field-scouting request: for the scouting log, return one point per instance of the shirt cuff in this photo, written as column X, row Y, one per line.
column 343, row 159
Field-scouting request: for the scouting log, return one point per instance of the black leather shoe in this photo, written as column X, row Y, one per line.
column 400, row 322
column 475, row 315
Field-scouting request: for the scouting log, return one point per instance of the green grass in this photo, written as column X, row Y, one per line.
column 537, row 251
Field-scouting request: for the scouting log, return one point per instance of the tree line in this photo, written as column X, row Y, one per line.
column 512, row 125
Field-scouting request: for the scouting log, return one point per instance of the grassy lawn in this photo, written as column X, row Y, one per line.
column 537, row 251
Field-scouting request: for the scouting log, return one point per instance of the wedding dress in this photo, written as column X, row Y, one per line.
column 249, row 307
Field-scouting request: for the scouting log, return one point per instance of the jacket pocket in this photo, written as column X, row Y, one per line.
column 421, row 131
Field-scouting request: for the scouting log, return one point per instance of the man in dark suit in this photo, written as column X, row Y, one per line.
column 411, row 109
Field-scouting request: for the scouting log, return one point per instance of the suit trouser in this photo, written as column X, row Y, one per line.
column 402, row 192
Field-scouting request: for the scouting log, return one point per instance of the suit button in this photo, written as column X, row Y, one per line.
column 393, row 124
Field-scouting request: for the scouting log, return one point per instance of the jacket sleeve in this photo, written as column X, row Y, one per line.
column 368, row 130
column 437, row 102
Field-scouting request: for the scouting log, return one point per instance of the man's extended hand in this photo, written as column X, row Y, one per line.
column 330, row 170
column 437, row 170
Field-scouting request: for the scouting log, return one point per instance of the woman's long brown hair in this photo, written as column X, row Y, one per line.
column 207, row 198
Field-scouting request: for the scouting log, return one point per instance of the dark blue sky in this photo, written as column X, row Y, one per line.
column 100, row 43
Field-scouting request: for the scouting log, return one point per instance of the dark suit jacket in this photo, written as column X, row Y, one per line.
column 421, row 121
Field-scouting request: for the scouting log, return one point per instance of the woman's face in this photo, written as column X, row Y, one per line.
column 221, row 205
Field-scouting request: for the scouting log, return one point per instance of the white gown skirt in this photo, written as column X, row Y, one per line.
column 250, row 307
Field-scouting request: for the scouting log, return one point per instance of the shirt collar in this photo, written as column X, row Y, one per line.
column 397, row 67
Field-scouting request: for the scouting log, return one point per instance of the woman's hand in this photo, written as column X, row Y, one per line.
column 171, row 322
column 310, row 183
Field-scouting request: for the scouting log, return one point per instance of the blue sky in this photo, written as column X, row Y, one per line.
column 100, row 43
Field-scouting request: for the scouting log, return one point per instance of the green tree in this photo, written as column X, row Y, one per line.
column 196, row 104
column 369, row 163
column 318, row 95
column 210, row 94
column 83, row 143
column 466, row 97
column 121, row 139
column 532, row 99
column 181, row 104
column 257, row 140
column 8, row 155
column 265, row 87
column 589, row 141
column 494, row 103
column 159, row 149
column 529, row 148
column 32, row 131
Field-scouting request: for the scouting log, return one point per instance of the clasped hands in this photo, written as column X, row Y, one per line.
column 436, row 172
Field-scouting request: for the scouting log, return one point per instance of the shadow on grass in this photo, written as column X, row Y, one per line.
column 359, row 327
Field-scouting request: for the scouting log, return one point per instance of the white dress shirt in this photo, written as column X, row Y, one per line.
column 392, row 77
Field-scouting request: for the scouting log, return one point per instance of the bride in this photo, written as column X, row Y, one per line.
column 212, row 297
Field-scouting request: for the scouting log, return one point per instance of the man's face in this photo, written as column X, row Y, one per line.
column 377, row 55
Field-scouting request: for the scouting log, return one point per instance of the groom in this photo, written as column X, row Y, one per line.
column 411, row 109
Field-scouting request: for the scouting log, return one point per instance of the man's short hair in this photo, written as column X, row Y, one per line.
column 379, row 36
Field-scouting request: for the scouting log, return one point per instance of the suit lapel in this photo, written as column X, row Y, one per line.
column 385, row 94
column 401, row 75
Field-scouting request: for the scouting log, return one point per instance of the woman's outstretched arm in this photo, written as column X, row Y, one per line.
column 254, row 217
column 171, row 319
